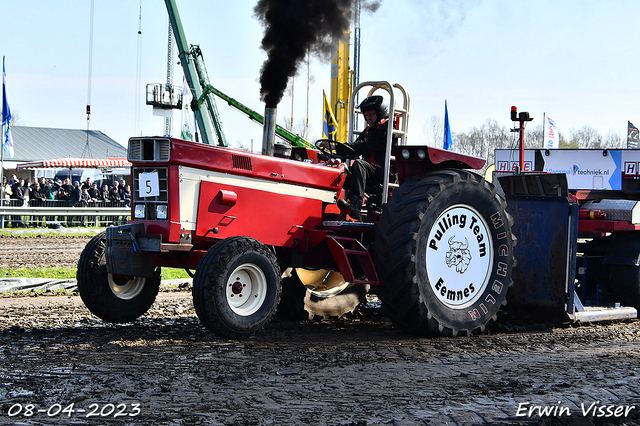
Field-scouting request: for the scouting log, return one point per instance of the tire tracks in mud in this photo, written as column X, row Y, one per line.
column 354, row 371
column 358, row 370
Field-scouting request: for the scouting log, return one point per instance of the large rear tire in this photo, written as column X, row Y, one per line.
column 112, row 298
column 444, row 253
column 237, row 287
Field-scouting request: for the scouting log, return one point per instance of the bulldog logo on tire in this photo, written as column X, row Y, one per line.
column 459, row 255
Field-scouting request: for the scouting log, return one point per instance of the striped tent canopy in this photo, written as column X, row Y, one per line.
column 75, row 163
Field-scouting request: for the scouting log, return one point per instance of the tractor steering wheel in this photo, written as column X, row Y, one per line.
column 336, row 149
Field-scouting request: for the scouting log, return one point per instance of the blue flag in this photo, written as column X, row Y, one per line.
column 447, row 130
column 7, row 141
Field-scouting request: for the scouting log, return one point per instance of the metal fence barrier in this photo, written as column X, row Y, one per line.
column 51, row 213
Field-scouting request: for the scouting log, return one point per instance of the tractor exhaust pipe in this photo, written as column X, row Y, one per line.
column 269, row 130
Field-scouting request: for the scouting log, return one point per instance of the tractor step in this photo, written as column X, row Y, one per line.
column 347, row 251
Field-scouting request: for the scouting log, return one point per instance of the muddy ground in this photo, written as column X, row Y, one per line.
column 61, row 365
column 42, row 251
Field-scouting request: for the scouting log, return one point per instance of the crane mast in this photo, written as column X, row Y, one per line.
column 167, row 120
column 209, row 124
column 203, row 104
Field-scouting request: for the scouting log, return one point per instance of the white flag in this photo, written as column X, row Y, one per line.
column 188, row 119
column 551, row 139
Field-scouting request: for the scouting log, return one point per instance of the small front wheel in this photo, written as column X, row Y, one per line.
column 113, row 298
column 237, row 287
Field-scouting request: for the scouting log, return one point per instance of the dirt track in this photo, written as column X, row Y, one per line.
column 357, row 371
column 42, row 251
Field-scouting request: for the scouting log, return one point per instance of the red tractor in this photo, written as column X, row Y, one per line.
column 435, row 246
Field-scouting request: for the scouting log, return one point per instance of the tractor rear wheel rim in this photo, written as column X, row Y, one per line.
column 246, row 289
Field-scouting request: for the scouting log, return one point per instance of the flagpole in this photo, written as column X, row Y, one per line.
column 544, row 130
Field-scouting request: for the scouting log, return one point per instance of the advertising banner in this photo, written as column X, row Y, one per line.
column 610, row 169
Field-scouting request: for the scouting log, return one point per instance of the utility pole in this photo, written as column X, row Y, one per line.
column 356, row 52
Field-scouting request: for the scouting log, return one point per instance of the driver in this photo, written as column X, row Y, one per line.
column 371, row 146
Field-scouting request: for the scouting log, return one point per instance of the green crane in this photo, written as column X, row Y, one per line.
column 196, row 75
column 209, row 124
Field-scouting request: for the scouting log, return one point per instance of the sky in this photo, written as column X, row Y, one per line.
column 575, row 61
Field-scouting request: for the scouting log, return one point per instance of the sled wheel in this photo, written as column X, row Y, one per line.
column 237, row 287
column 335, row 306
column 624, row 284
column 444, row 252
column 300, row 303
column 112, row 298
column 624, row 279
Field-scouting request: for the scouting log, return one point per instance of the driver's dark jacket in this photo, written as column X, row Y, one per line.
column 371, row 143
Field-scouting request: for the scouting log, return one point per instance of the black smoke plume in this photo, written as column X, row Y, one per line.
column 371, row 5
column 293, row 28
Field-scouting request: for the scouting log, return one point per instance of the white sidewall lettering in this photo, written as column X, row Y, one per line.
column 459, row 256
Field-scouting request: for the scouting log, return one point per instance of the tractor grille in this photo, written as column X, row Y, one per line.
column 151, row 204
column 149, row 149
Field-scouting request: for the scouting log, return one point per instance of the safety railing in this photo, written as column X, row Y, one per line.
column 48, row 213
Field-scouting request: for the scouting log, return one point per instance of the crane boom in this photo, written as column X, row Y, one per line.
column 196, row 75
column 209, row 124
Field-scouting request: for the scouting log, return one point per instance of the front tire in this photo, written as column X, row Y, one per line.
column 237, row 287
column 444, row 251
column 112, row 298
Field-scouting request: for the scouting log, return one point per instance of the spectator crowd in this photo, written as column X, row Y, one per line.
column 57, row 193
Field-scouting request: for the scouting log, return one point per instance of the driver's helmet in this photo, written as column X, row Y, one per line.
column 376, row 103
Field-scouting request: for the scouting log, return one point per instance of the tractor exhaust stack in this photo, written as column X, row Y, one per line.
column 269, row 130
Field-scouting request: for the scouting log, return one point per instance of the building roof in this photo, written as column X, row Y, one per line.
column 41, row 143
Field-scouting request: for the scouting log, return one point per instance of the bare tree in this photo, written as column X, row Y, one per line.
column 433, row 131
column 298, row 128
column 15, row 119
column 586, row 137
column 534, row 137
column 241, row 147
column 285, row 123
column 614, row 140
column 482, row 142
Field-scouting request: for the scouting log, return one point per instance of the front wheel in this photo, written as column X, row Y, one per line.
column 113, row 298
column 237, row 287
column 444, row 250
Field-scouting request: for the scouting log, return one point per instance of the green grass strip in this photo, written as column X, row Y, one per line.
column 70, row 273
